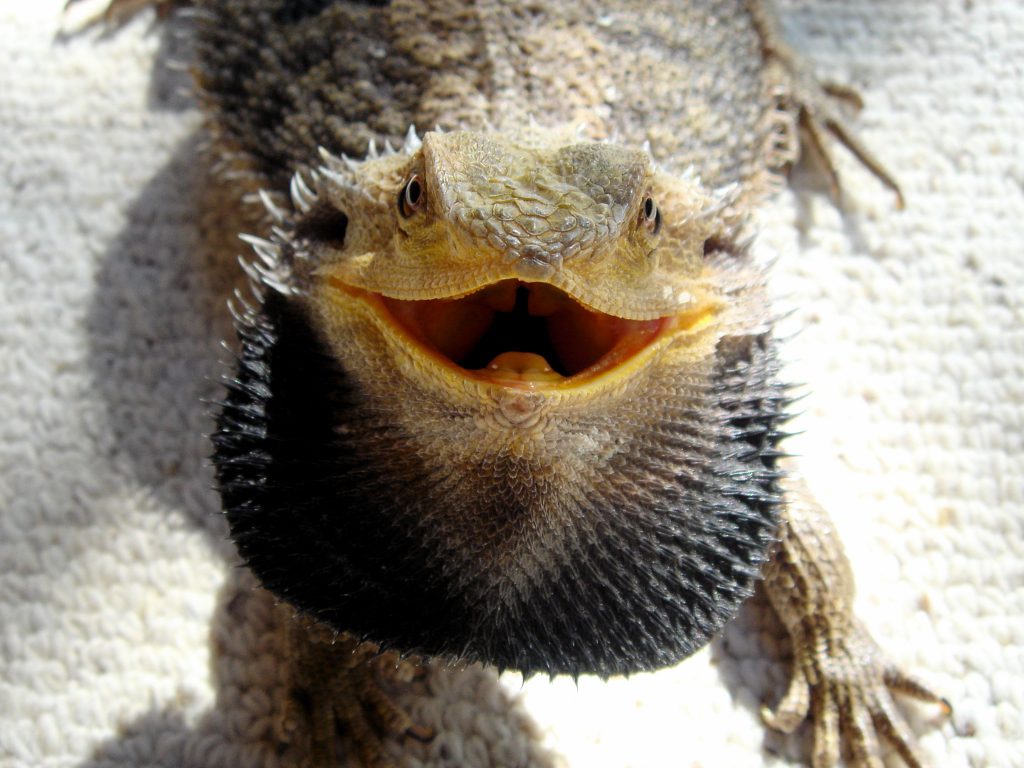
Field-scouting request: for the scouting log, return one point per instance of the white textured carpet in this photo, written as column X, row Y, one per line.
column 127, row 637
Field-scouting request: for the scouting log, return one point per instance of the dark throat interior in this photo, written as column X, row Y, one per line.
column 515, row 331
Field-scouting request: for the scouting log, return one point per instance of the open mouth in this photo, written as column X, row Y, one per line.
column 523, row 334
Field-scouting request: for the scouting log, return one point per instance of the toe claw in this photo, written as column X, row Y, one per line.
column 421, row 733
column 826, row 728
column 844, row 93
column 792, row 709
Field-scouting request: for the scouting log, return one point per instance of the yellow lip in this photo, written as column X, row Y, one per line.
column 526, row 336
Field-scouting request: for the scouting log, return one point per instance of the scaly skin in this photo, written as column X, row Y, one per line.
column 605, row 518
column 840, row 678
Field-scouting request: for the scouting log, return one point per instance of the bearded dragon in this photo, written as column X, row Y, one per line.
column 509, row 392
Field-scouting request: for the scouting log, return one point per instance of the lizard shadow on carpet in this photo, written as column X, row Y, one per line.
column 153, row 327
column 158, row 311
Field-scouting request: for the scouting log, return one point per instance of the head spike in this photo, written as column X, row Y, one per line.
column 332, row 161
column 268, row 251
column 690, row 175
column 238, row 300
column 276, row 213
column 412, row 141
column 303, row 197
column 350, row 164
column 720, row 199
column 346, row 183
column 249, row 269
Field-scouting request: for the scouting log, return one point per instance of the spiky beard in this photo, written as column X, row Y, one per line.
column 336, row 514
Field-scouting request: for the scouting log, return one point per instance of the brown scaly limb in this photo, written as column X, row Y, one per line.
column 841, row 681
column 338, row 680
column 815, row 104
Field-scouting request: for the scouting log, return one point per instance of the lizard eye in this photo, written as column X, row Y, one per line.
column 650, row 215
column 410, row 199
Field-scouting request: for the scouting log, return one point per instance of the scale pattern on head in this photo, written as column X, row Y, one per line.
column 536, row 206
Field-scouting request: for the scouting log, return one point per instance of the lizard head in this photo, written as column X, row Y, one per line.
column 520, row 262
column 490, row 408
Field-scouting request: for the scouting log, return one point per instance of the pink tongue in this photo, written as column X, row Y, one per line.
column 522, row 366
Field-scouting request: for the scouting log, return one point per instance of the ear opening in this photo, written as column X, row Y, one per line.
column 323, row 224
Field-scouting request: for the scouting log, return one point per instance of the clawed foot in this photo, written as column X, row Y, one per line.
column 339, row 684
column 817, row 105
column 843, row 684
